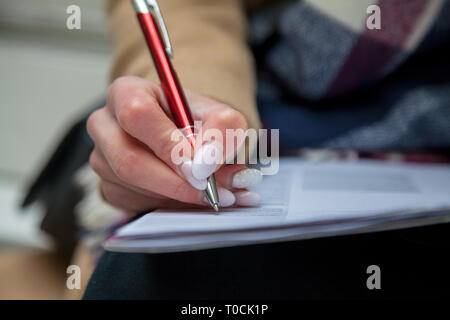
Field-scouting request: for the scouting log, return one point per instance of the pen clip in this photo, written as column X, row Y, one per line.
column 151, row 6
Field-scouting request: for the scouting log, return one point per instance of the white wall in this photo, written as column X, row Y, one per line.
column 48, row 76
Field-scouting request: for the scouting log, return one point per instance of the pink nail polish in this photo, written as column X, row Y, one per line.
column 247, row 198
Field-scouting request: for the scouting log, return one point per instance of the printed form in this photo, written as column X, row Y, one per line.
column 303, row 200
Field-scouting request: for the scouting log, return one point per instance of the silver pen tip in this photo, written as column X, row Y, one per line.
column 216, row 207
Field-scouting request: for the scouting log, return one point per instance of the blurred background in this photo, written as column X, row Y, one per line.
column 49, row 77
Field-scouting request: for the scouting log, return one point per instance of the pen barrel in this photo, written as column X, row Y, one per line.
column 169, row 81
column 171, row 86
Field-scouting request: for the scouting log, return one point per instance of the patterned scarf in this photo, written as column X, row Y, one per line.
column 388, row 87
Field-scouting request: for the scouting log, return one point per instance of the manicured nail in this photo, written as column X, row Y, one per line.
column 186, row 169
column 247, row 178
column 206, row 160
column 226, row 197
column 247, row 198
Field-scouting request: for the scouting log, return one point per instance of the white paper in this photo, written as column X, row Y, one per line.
column 303, row 200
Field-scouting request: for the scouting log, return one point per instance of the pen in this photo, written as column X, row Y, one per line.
column 157, row 38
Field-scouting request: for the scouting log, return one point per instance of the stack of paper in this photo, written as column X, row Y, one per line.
column 303, row 200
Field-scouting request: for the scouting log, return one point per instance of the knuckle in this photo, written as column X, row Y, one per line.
column 119, row 83
column 129, row 112
column 94, row 162
column 125, row 83
column 93, row 122
column 109, row 193
column 135, row 109
column 232, row 118
column 124, row 166
column 115, row 86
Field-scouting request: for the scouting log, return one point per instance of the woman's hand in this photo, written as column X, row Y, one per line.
column 133, row 136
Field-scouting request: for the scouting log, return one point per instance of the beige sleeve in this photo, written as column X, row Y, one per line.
column 209, row 43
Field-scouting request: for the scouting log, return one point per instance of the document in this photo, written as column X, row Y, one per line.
column 303, row 200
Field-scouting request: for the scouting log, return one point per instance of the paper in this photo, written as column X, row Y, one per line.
column 303, row 200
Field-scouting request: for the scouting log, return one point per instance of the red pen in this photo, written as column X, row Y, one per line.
column 157, row 38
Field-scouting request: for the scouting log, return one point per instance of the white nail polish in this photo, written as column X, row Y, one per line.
column 247, row 178
column 226, row 197
column 186, row 169
column 247, row 198
column 206, row 161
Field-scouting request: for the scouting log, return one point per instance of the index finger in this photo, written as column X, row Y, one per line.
column 140, row 109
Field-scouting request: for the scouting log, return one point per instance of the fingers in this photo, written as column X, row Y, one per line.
column 223, row 132
column 101, row 167
column 236, row 178
column 132, row 202
column 135, row 137
column 137, row 106
column 247, row 198
column 135, row 199
column 141, row 111
column 135, row 165
column 231, row 177
column 124, row 198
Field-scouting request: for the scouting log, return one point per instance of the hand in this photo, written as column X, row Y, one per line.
column 133, row 151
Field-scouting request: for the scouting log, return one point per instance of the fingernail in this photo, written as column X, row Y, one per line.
column 186, row 169
column 206, row 160
column 226, row 197
column 246, row 178
column 247, row 198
